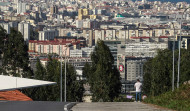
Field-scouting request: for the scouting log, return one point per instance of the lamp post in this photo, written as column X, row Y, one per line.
column 180, row 48
column 173, row 60
column 179, row 55
column 65, row 99
column 61, row 78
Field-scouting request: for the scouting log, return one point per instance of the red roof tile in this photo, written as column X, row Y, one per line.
column 13, row 95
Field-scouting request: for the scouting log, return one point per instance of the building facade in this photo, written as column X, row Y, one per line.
column 131, row 58
column 21, row 7
column 52, row 47
column 48, row 34
column 6, row 26
column 24, row 28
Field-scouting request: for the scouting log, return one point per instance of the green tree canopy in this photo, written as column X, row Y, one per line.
column 3, row 36
column 51, row 72
column 159, row 70
column 15, row 55
column 103, row 76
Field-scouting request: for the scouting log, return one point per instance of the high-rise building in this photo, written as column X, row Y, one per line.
column 83, row 13
column 6, row 26
column 24, row 28
column 21, row 7
column 48, row 34
column 143, row 1
column 54, row 9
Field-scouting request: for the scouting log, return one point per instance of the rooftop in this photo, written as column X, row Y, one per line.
column 14, row 95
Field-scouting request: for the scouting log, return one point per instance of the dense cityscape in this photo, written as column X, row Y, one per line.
column 77, row 32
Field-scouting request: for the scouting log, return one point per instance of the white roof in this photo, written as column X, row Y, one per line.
column 11, row 83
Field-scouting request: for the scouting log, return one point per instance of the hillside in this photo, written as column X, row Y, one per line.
column 177, row 100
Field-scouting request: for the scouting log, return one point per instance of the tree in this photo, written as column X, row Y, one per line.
column 51, row 72
column 185, row 70
column 3, row 36
column 158, row 71
column 147, row 77
column 33, row 34
column 75, row 87
column 15, row 58
column 38, row 93
column 86, row 71
column 104, row 78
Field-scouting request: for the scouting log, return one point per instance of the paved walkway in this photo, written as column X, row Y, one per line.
column 115, row 106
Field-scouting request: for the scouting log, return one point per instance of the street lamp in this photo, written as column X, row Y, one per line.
column 61, row 78
column 173, row 59
column 180, row 48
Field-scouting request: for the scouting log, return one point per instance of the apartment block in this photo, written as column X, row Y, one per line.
column 83, row 52
column 6, row 26
column 21, row 7
column 51, row 47
column 48, row 34
column 24, row 28
column 99, row 34
column 89, row 35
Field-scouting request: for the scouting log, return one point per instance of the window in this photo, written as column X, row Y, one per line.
column 42, row 48
column 48, row 49
column 51, row 48
column 39, row 49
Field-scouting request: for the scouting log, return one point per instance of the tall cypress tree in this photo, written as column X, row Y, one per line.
column 105, row 78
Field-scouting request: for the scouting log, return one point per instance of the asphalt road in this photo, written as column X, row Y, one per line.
column 31, row 106
column 116, row 106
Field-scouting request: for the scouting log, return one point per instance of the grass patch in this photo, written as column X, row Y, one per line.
column 177, row 100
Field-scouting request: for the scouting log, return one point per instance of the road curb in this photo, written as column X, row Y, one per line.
column 68, row 106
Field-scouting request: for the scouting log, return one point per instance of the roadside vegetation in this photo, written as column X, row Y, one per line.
column 157, row 83
column 178, row 100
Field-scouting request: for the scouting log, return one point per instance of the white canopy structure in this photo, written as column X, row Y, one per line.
column 12, row 83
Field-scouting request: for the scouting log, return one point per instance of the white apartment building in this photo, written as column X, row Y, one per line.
column 48, row 34
column 95, row 11
column 131, row 58
column 99, row 34
column 6, row 26
column 86, row 24
column 142, row 49
column 110, row 35
column 79, row 23
column 102, row 34
column 24, row 28
column 87, row 51
column 76, row 53
column 83, row 52
column 88, row 34
column 64, row 31
column 21, row 7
